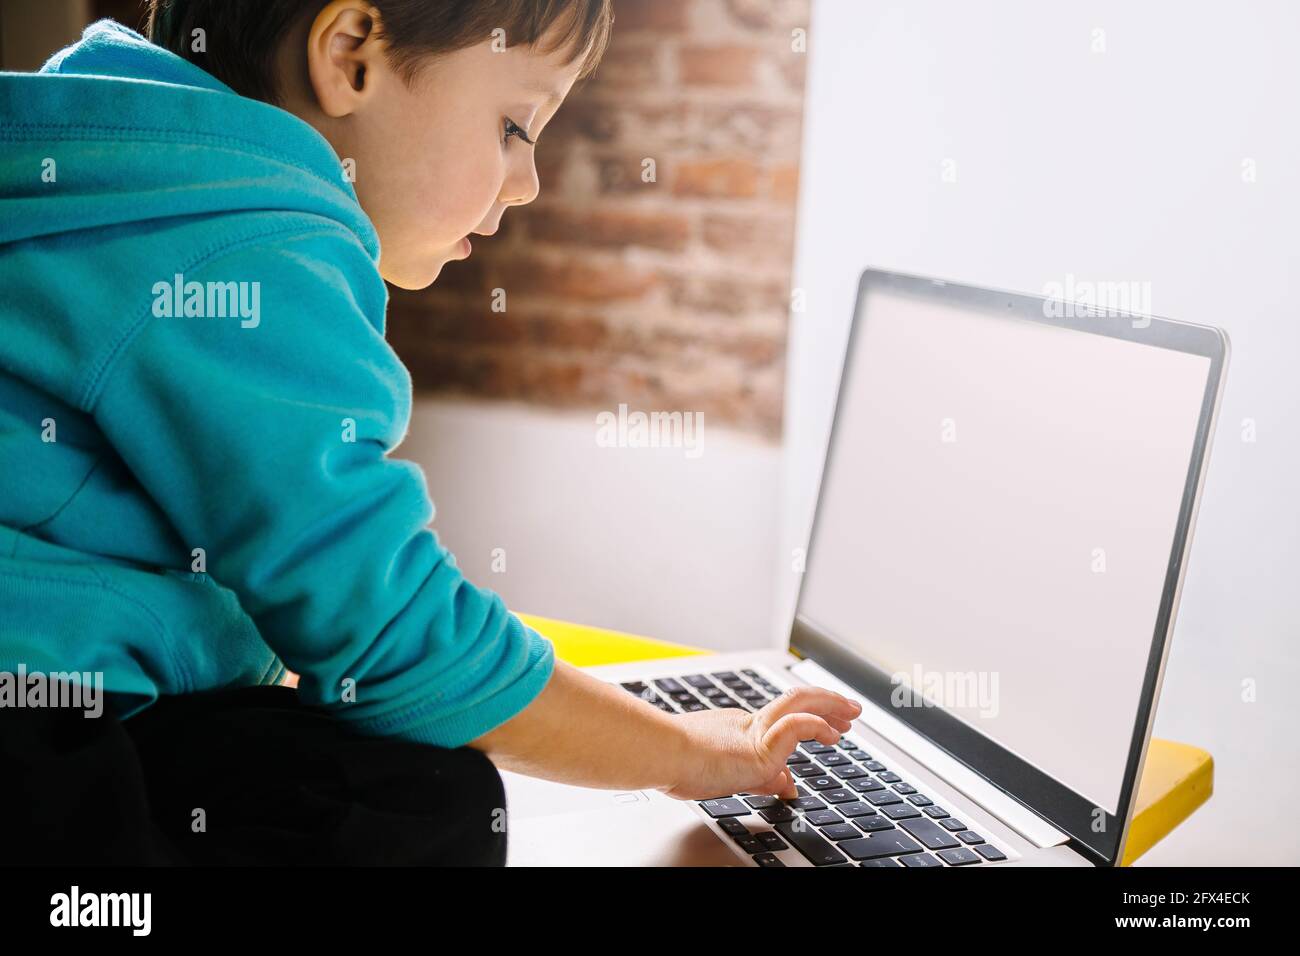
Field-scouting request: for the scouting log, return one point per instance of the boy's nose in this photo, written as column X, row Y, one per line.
column 521, row 185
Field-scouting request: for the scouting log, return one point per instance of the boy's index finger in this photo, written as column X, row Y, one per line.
column 808, row 700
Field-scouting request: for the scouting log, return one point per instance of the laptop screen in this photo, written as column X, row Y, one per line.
column 996, row 522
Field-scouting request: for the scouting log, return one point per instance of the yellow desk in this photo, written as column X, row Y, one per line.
column 1177, row 778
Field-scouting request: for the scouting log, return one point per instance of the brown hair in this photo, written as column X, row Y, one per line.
column 242, row 37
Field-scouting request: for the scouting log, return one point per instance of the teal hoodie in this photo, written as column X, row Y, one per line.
column 197, row 407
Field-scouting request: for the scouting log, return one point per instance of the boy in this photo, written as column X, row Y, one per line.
column 196, row 409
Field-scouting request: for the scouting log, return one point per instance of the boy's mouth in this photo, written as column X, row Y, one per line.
column 466, row 247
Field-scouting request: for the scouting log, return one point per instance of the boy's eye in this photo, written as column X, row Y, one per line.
column 514, row 129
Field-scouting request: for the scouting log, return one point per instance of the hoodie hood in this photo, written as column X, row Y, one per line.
column 60, row 171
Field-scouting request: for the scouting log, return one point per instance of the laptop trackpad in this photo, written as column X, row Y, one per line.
column 556, row 825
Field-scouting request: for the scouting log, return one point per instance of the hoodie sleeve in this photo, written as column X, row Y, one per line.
column 264, row 437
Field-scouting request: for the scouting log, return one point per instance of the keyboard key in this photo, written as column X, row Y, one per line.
column 749, row 672
column 832, row 760
column 866, row 785
column 806, row 803
column 882, row 798
column 952, row 823
column 919, row 800
column 670, row 685
column 889, row 776
column 767, row 860
column 920, row 860
column 816, row 747
column 807, row 770
column 970, row 836
column 854, row 809
column 723, row 704
column 848, row 772
column 838, row 796
column 797, row 757
column 777, row 814
column 749, row 844
column 725, row 675
column 875, row 766
column 771, row 841
column 883, row 861
column 712, row 691
column 885, row 843
column 935, row 811
column 810, row 843
column 698, row 680
column 634, row 686
column 822, row 783
column 873, row 824
column 693, row 706
column 990, row 852
column 841, row 831
column 904, row 788
column 762, row 802
column 900, row 811
column 726, row 807
column 683, row 697
column 958, row 857
column 733, row 826
column 930, row 833
column 821, row 818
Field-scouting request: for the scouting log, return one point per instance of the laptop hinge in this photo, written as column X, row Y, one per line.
column 1014, row 814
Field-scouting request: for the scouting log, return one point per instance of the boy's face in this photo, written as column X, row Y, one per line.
column 437, row 159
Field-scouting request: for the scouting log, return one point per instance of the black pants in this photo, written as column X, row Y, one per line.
column 245, row 776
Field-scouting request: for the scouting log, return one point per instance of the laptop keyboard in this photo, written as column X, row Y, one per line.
column 678, row 695
column 850, row 809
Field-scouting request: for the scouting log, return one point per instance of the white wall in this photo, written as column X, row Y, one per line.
column 1122, row 165
column 645, row 540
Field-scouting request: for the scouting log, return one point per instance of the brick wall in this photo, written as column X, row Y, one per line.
column 667, row 295
column 670, row 294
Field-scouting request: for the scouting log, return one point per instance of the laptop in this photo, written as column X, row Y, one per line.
column 1001, row 533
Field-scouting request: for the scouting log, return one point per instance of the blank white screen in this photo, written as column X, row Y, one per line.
column 982, row 468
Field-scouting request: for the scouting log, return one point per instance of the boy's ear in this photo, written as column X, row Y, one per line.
column 343, row 52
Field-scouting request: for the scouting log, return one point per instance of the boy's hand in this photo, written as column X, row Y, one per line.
column 581, row 730
column 730, row 751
